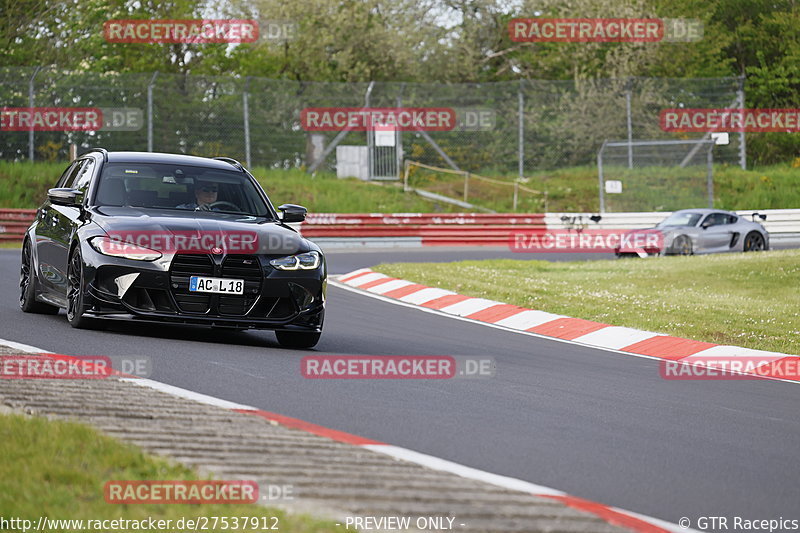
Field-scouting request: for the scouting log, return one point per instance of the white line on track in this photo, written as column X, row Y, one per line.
column 429, row 461
column 498, row 325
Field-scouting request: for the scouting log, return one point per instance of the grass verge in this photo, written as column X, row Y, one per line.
column 24, row 185
column 740, row 299
column 58, row 469
column 575, row 189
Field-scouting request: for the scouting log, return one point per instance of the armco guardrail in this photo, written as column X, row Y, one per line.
column 473, row 229
column 14, row 222
column 460, row 229
column 783, row 225
column 470, row 229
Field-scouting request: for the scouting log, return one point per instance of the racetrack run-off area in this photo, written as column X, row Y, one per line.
column 589, row 422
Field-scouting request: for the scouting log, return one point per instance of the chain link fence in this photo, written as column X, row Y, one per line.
column 529, row 126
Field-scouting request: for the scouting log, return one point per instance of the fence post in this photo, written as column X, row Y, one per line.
column 520, row 110
column 742, row 143
column 30, row 104
column 710, row 175
column 466, row 186
column 516, row 194
column 628, row 85
column 150, row 112
column 245, row 99
column 370, row 134
column 600, row 177
column 398, row 137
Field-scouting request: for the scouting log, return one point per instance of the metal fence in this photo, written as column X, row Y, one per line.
column 655, row 175
column 535, row 124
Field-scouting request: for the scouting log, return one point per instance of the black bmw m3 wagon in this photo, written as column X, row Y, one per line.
column 177, row 239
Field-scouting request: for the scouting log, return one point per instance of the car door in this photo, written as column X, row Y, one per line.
column 63, row 222
column 716, row 233
column 46, row 233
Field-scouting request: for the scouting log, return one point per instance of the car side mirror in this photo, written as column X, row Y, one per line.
column 64, row 196
column 292, row 213
column 705, row 225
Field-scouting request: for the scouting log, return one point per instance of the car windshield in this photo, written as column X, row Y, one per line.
column 179, row 187
column 680, row 219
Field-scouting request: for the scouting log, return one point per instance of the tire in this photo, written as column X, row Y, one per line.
column 298, row 339
column 27, row 286
column 754, row 242
column 682, row 245
column 76, row 304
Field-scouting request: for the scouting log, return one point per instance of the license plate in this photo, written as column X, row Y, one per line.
column 218, row 285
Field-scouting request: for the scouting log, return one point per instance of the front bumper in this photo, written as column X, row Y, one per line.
column 121, row 289
column 641, row 252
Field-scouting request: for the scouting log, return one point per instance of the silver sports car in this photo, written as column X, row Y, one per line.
column 705, row 231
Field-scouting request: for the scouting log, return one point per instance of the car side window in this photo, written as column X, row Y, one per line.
column 732, row 219
column 717, row 219
column 83, row 177
column 68, row 174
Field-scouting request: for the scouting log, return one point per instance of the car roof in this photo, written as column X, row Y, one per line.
column 168, row 159
column 705, row 211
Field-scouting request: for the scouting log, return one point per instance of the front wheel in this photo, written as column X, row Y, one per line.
column 27, row 286
column 297, row 339
column 754, row 242
column 682, row 245
column 76, row 303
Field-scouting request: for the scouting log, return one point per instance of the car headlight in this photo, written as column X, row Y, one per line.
column 126, row 250
column 306, row 261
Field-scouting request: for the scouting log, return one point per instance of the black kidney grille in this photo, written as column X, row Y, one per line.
column 183, row 267
column 244, row 267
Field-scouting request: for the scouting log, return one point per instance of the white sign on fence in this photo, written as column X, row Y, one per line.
column 613, row 186
column 721, row 138
column 384, row 137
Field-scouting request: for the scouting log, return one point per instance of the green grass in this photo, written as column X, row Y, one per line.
column 740, row 299
column 325, row 193
column 775, row 187
column 572, row 189
column 58, row 469
column 24, row 185
column 576, row 189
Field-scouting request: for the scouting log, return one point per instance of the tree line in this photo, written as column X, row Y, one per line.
column 444, row 41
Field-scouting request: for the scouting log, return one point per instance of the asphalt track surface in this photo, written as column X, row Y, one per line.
column 596, row 424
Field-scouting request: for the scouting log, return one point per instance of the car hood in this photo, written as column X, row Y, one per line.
column 645, row 238
column 674, row 228
column 170, row 230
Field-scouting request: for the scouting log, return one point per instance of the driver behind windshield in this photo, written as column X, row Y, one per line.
column 205, row 193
